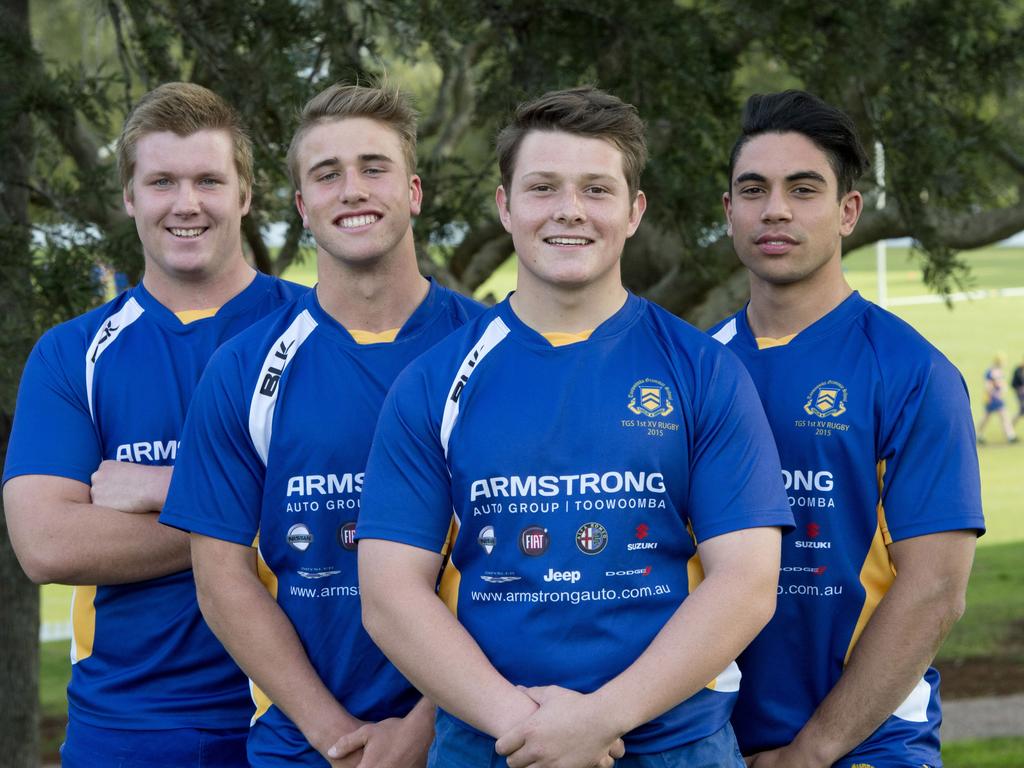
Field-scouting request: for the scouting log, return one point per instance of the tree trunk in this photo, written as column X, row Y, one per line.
column 19, row 598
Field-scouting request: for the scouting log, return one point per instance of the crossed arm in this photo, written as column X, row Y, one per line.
column 68, row 532
column 568, row 729
column 263, row 642
column 897, row 645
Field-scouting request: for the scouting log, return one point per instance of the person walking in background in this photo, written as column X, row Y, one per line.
column 995, row 398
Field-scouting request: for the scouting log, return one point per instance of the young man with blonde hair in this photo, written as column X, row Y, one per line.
column 608, row 476
column 96, row 432
column 288, row 410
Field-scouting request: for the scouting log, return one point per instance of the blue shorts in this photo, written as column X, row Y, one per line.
column 457, row 747
column 86, row 746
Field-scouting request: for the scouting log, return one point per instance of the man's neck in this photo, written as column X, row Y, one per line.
column 200, row 291
column 376, row 297
column 548, row 309
column 777, row 311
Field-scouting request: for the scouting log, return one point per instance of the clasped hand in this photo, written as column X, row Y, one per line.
column 567, row 730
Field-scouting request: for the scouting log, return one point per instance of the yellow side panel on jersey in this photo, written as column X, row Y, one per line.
column 877, row 574
column 83, row 623
column 259, row 698
column 451, row 577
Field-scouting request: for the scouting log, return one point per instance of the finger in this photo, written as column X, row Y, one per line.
column 349, row 743
column 510, row 742
column 351, row 760
column 606, row 762
column 618, row 749
column 519, row 759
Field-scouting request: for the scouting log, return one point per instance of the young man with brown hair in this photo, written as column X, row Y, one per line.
column 288, row 410
column 96, row 432
column 607, row 475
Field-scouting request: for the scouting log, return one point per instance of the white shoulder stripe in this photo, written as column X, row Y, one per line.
column 492, row 336
column 264, row 398
column 727, row 332
column 105, row 336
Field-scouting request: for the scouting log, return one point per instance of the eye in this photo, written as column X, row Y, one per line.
column 597, row 190
column 541, row 188
column 751, row 191
column 329, row 176
column 804, row 190
column 373, row 171
column 209, row 182
column 161, row 183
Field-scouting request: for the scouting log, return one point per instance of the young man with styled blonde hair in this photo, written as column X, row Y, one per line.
column 288, row 409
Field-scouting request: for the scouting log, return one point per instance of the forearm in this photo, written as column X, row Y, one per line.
column 89, row 544
column 896, row 648
column 263, row 642
column 705, row 634
column 424, row 640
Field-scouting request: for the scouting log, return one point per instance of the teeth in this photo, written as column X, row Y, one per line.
column 194, row 232
column 568, row 240
column 351, row 222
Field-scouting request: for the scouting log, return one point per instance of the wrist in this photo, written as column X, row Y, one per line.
column 157, row 487
column 516, row 708
column 816, row 749
column 613, row 710
column 323, row 733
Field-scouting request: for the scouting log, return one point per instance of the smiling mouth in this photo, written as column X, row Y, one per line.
column 362, row 220
column 190, row 232
column 568, row 240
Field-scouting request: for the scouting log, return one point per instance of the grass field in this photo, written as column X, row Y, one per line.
column 969, row 333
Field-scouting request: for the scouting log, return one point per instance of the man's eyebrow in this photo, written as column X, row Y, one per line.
column 798, row 176
column 811, row 175
column 585, row 176
column 332, row 161
column 749, row 176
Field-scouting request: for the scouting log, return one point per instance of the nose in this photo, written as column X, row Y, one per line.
column 570, row 209
column 186, row 203
column 352, row 189
column 776, row 206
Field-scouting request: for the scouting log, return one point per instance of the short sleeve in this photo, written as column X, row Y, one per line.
column 53, row 432
column 407, row 488
column 217, row 484
column 735, row 474
column 930, row 476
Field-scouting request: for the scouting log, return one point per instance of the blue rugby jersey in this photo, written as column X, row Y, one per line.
column 874, row 430
column 276, row 445
column 115, row 383
column 580, row 478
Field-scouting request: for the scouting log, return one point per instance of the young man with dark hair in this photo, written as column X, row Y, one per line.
column 874, row 431
column 608, row 479
column 271, row 469
column 96, row 431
